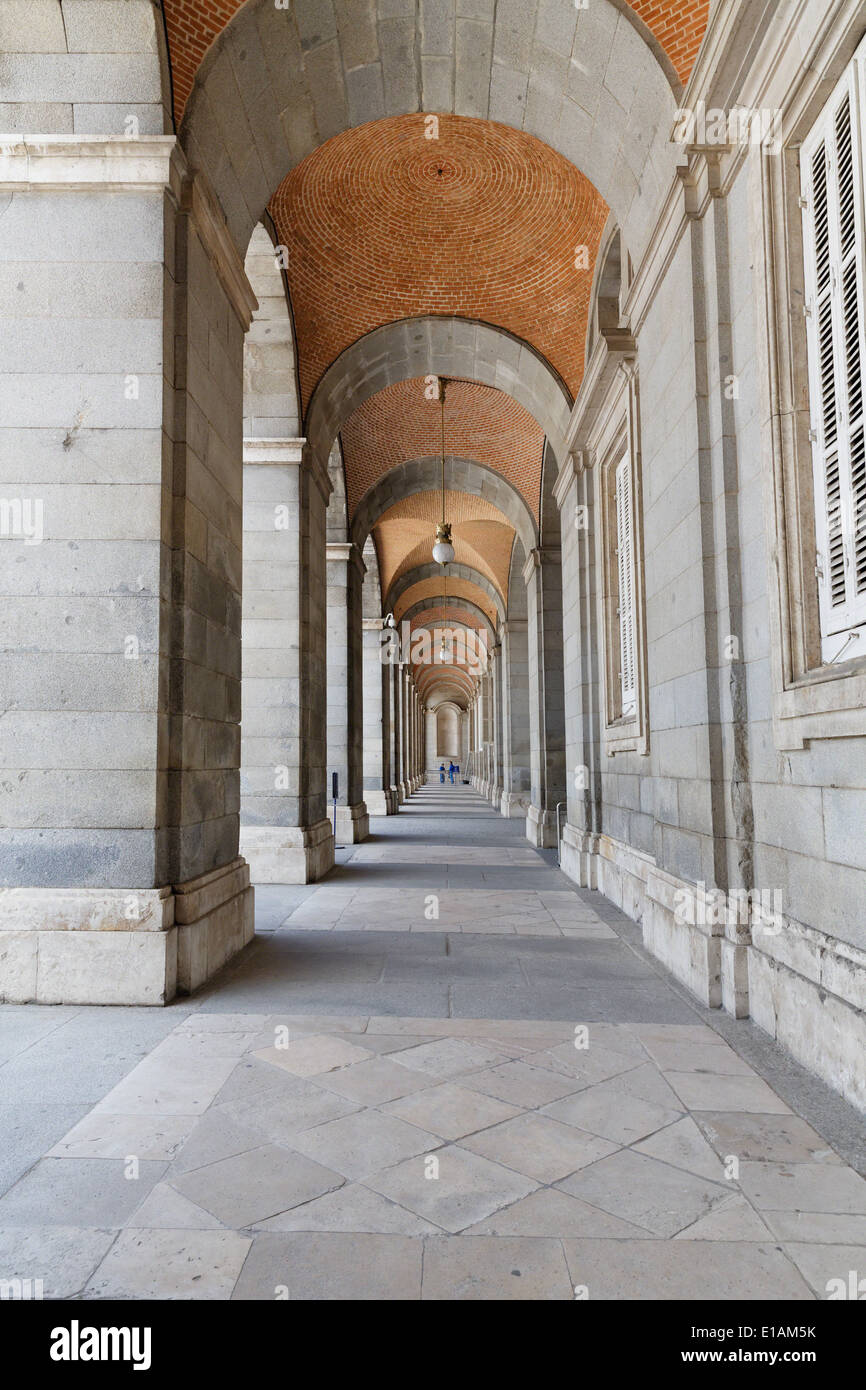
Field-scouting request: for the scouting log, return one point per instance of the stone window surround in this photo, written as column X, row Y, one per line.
column 612, row 406
column 810, row 700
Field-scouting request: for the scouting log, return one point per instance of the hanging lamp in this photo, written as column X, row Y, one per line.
column 443, row 550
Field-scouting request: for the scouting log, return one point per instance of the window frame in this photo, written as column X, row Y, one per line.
column 811, row 698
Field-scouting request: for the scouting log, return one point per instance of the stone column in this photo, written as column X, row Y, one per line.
column 543, row 577
column 345, row 689
column 516, row 784
column 403, row 784
column 430, row 741
column 285, row 831
column 496, row 676
column 120, row 574
column 394, row 682
column 377, row 777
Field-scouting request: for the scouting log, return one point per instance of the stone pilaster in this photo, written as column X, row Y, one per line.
column 543, row 577
column 285, row 832
column 345, row 570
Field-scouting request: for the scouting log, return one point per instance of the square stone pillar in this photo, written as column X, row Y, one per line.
column 496, row 773
column 543, row 577
column 346, row 689
column 516, row 784
column 394, row 678
column 285, row 831
column 403, row 785
column 377, row 718
column 120, row 461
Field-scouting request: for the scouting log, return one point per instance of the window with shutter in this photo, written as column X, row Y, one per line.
column 625, row 568
column 832, row 176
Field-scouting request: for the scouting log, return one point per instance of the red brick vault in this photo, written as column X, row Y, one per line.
column 192, row 26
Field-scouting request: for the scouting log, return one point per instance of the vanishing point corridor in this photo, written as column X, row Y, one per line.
column 444, row 1073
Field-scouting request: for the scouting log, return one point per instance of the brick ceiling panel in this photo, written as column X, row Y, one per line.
column 483, row 223
column 457, row 588
column 482, row 537
column 481, row 423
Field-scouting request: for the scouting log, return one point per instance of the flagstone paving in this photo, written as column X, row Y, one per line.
column 280, row 1153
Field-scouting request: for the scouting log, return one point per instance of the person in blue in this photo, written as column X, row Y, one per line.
column 441, row 772
column 451, row 773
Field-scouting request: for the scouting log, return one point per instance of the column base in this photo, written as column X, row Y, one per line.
column 514, row 805
column 288, row 853
column 379, row 802
column 353, row 823
column 404, row 789
column 496, row 797
column 118, row 945
column 540, row 830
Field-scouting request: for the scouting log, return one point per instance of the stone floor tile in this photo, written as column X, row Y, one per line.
column 549, row 1212
column 301, row 1266
column 683, row 1146
column 166, row 1209
column 586, row 1065
column 817, row 1228
column 168, row 1086
column 611, row 1113
column 765, row 1138
column 835, row 1272
column 312, row 1055
column 374, row 1082
column 350, row 1208
column 94, row 1190
column 735, row 1220
column 462, row 1190
column 683, row 1270
column 803, row 1187
column 714, row 1057
column 252, row 1186
column 539, row 1146
column 460, row 1268
column 703, row 1091
column 171, row 1265
column 449, row 1057
column 642, row 1190
column 362, row 1144
column 214, row 1137
column 451, row 1111
column 118, row 1136
column 62, row 1257
column 278, row 1118
column 518, row 1083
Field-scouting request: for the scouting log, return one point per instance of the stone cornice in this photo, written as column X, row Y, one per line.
column 274, row 451
column 69, row 163
column 536, row 558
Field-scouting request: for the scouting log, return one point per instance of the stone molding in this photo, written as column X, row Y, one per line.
column 288, row 453
column 198, row 201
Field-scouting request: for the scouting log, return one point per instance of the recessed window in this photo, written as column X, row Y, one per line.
column 832, row 198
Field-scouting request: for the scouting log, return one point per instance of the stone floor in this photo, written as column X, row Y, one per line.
column 445, row 1073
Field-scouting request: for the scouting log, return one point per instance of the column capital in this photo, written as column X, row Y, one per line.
column 288, row 452
column 372, row 624
column 345, row 552
column 537, row 558
column 274, row 451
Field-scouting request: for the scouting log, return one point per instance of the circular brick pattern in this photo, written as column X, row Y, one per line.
column 484, row 223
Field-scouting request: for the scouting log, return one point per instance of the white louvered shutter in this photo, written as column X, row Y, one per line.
column 835, row 240
column 625, row 565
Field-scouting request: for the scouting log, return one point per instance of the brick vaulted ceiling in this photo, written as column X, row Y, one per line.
column 401, row 423
column 483, row 223
column 192, row 26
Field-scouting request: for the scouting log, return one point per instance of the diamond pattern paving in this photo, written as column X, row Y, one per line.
column 590, row 1167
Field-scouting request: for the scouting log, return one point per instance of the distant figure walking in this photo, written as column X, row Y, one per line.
column 441, row 772
column 451, row 773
